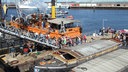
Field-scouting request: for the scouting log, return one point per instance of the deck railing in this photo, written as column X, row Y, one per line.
column 26, row 35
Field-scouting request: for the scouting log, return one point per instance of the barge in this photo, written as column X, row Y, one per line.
column 58, row 60
column 66, row 59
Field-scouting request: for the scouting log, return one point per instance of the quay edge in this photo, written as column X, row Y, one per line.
column 98, row 7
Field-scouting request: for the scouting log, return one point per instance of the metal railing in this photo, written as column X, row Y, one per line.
column 26, row 35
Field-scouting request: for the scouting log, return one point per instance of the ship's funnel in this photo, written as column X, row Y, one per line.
column 5, row 8
column 53, row 9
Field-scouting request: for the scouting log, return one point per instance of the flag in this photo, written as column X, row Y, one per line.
column 5, row 8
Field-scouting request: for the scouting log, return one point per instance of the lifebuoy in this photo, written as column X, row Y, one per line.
column 14, row 62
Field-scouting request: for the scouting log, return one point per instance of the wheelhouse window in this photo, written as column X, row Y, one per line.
column 69, row 25
column 58, row 26
column 55, row 26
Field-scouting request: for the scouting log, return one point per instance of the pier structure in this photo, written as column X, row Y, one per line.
column 104, row 5
column 119, row 4
column 88, row 4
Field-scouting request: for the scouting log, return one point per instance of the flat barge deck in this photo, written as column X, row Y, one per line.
column 82, row 53
column 116, row 61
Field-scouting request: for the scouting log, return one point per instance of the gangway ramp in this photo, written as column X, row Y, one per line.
column 10, row 32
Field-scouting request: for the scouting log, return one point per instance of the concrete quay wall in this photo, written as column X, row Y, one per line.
column 100, row 5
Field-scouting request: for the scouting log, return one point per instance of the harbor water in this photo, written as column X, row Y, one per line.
column 94, row 19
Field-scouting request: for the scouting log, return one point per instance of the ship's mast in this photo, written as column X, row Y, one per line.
column 0, row 10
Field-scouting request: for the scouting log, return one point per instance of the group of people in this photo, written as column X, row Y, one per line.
column 115, row 34
column 61, row 42
column 121, row 37
column 104, row 31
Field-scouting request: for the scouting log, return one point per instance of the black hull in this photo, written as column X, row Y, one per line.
column 54, row 70
column 65, row 68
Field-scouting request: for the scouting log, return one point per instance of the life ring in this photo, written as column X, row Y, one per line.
column 14, row 62
column 42, row 63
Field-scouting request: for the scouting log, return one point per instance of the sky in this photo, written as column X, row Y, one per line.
column 46, row 0
column 66, row 0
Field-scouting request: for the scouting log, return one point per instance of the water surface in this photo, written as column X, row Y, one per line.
column 92, row 20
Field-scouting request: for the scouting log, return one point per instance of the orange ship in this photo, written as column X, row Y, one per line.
column 55, row 28
column 42, row 24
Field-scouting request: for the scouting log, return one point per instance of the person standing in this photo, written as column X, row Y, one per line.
column 4, row 23
column 36, row 35
column 12, row 52
column 79, row 40
column 85, row 38
column 124, row 40
column 21, row 49
column 70, row 42
column 65, row 41
column 42, row 25
column 26, row 49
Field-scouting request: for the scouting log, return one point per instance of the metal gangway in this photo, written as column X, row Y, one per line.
column 16, row 32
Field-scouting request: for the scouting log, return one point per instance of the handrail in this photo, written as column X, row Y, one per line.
column 15, row 32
